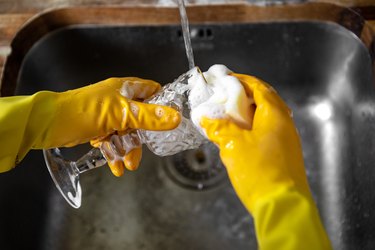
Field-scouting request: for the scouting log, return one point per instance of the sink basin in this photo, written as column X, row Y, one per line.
column 322, row 70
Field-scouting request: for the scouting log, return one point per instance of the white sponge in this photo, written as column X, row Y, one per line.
column 219, row 95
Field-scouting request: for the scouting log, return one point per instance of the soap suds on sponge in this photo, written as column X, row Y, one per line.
column 219, row 95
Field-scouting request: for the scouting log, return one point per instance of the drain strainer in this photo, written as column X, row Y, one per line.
column 198, row 168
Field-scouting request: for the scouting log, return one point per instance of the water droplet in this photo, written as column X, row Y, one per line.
column 159, row 112
column 134, row 109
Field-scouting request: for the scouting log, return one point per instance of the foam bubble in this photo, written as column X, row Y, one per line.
column 134, row 89
column 127, row 90
column 159, row 112
column 212, row 111
column 140, row 89
column 222, row 96
column 134, row 109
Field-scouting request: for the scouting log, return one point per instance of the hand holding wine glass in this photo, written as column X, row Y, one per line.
column 136, row 123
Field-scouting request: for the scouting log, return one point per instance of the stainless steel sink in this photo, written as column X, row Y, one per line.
column 321, row 69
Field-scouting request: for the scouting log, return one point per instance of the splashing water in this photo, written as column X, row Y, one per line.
column 186, row 33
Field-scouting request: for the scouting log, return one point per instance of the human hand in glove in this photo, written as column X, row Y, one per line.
column 49, row 119
column 266, row 168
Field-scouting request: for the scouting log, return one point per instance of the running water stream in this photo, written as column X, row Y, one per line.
column 186, row 33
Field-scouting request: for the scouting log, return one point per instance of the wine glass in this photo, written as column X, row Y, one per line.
column 65, row 174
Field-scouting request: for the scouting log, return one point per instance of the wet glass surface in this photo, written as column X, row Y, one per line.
column 321, row 70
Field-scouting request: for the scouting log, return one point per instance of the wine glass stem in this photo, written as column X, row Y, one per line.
column 93, row 159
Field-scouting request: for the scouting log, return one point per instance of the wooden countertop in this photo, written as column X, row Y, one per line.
column 22, row 22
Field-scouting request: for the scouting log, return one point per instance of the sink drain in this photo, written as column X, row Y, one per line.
column 196, row 169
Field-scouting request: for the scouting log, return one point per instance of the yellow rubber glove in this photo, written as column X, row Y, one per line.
column 265, row 166
column 118, row 159
column 48, row 119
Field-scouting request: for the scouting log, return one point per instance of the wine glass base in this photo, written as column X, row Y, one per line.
column 65, row 176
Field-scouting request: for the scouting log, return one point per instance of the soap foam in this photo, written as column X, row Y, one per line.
column 134, row 89
column 218, row 95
